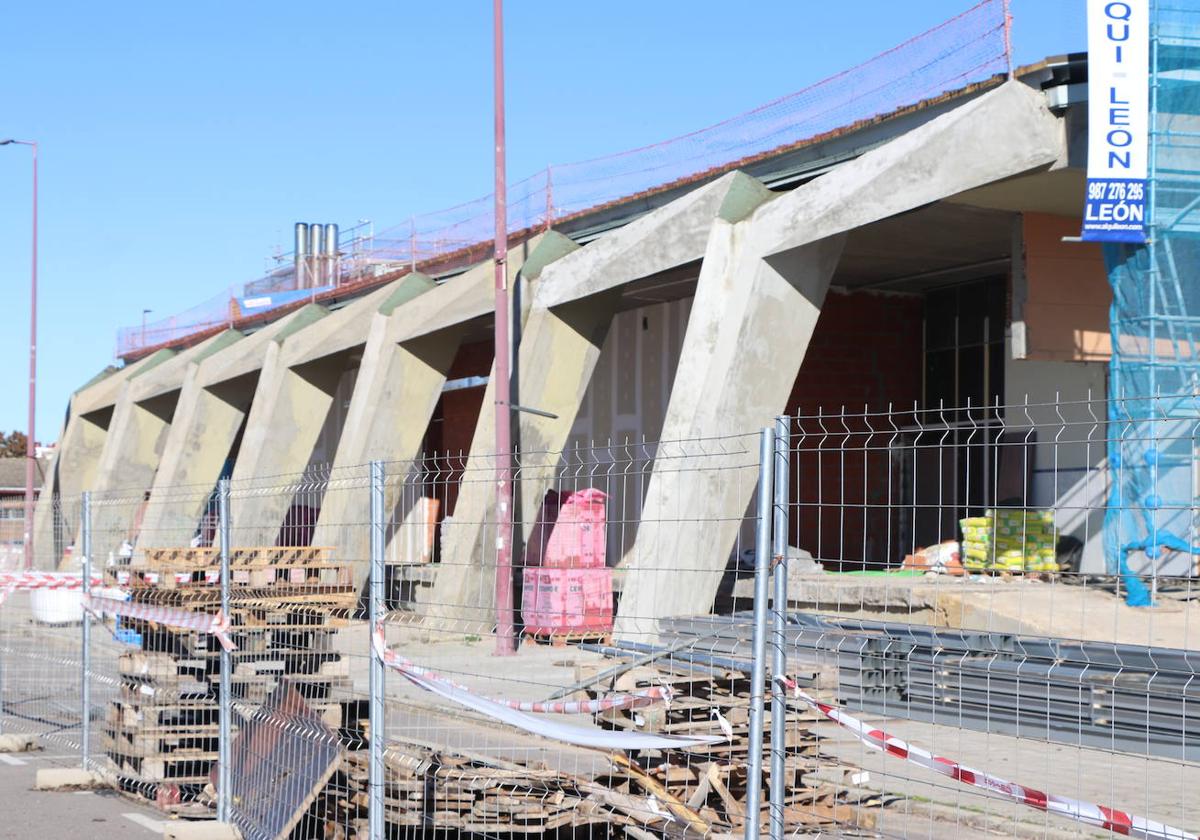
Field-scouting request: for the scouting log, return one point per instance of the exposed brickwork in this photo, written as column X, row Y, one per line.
column 866, row 350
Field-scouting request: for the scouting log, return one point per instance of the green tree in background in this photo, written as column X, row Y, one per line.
column 13, row 445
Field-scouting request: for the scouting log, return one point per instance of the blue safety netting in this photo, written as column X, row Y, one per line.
column 1154, row 416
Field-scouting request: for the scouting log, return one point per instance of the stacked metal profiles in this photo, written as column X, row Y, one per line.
column 285, row 606
column 1143, row 700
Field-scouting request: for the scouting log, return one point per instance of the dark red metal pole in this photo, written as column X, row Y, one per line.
column 31, row 439
column 505, row 630
column 31, row 442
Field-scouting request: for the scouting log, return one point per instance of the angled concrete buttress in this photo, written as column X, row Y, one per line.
column 212, row 408
column 393, row 380
column 56, row 518
column 294, row 396
column 409, row 353
column 134, row 444
column 760, row 293
column 574, row 300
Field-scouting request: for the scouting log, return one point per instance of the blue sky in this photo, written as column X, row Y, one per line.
column 181, row 141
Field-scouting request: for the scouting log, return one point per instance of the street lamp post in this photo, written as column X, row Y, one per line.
column 30, row 445
column 145, row 312
column 505, row 618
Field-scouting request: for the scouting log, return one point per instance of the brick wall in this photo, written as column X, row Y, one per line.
column 866, row 350
column 455, row 417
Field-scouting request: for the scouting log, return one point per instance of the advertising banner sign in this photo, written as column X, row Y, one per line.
column 1118, row 120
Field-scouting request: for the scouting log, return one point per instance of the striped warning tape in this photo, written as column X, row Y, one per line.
column 214, row 623
column 44, row 580
column 1100, row 816
column 633, row 700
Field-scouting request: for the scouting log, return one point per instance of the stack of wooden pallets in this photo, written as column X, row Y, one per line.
column 285, row 606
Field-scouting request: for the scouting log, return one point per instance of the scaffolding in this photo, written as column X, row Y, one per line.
column 1150, row 526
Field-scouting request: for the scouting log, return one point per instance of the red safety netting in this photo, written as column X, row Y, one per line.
column 966, row 49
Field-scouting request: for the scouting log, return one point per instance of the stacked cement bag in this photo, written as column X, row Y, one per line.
column 1009, row 540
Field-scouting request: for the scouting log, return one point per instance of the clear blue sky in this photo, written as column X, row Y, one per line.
column 181, row 141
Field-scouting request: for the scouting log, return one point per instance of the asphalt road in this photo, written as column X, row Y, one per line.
column 37, row 815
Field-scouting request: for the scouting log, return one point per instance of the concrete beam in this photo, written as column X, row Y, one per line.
column 757, row 301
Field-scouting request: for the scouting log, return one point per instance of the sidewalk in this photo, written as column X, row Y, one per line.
column 68, row 815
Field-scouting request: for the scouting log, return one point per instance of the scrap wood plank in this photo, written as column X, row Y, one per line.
column 651, row 785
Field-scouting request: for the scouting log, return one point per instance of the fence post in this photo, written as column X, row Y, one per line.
column 225, row 701
column 85, row 692
column 779, row 628
column 375, row 612
column 762, row 567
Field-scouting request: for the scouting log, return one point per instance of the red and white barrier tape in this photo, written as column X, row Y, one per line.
column 634, row 700
column 1100, row 816
column 214, row 624
column 44, row 580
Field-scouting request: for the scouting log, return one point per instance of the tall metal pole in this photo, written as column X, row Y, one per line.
column 505, row 630
column 779, row 629
column 85, row 688
column 376, row 675
column 225, row 714
column 758, row 670
column 30, row 447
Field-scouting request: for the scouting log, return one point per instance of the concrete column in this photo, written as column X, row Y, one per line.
column 574, row 300
column 212, row 408
column 75, row 465
column 290, row 405
column 758, row 298
column 135, row 441
column 748, row 332
column 395, row 395
column 73, row 468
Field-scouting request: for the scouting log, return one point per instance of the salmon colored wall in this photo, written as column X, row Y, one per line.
column 1067, row 298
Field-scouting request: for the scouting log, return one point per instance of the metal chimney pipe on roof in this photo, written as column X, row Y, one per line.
column 316, row 252
column 300, row 254
column 331, row 254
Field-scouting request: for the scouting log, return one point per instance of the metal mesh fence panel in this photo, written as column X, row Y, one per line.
column 947, row 586
column 298, row 679
column 41, row 660
column 860, row 623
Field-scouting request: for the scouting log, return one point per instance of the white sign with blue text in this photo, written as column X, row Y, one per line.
column 1118, row 120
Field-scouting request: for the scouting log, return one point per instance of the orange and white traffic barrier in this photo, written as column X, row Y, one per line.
column 216, row 624
column 632, row 700
column 24, row 581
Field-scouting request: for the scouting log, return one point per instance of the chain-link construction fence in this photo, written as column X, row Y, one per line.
column 872, row 623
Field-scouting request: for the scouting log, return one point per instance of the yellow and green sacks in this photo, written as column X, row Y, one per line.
column 1011, row 539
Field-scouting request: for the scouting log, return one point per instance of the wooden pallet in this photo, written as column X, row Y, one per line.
column 569, row 638
column 253, row 557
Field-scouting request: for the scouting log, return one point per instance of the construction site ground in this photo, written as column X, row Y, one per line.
column 911, row 800
column 1058, row 607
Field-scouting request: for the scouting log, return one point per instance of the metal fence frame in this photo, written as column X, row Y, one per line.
column 772, row 641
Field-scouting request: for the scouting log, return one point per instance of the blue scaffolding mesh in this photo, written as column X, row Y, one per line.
column 1154, row 379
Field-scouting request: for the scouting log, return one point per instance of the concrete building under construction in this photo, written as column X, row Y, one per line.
column 918, row 259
